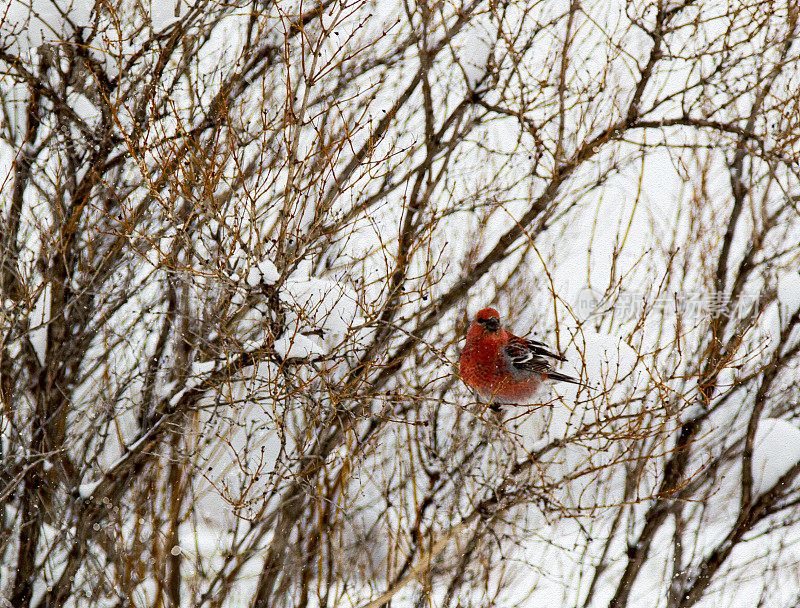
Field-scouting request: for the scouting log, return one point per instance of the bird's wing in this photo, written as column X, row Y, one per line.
column 539, row 347
column 530, row 356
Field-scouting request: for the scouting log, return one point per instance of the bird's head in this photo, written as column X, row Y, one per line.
column 489, row 319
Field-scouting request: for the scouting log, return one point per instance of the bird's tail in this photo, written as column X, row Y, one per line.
column 559, row 377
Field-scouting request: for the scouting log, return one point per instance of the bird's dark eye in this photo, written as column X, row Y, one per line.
column 490, row 323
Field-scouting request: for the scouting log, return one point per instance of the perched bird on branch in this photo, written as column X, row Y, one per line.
column 503, row 368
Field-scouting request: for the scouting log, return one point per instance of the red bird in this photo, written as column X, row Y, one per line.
column 503, row 368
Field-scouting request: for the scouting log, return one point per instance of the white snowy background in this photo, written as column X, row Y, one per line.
column 622, row 224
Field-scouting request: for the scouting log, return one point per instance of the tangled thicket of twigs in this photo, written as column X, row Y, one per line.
column 241, row 242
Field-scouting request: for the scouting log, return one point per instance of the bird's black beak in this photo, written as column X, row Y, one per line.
column 491, row 324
